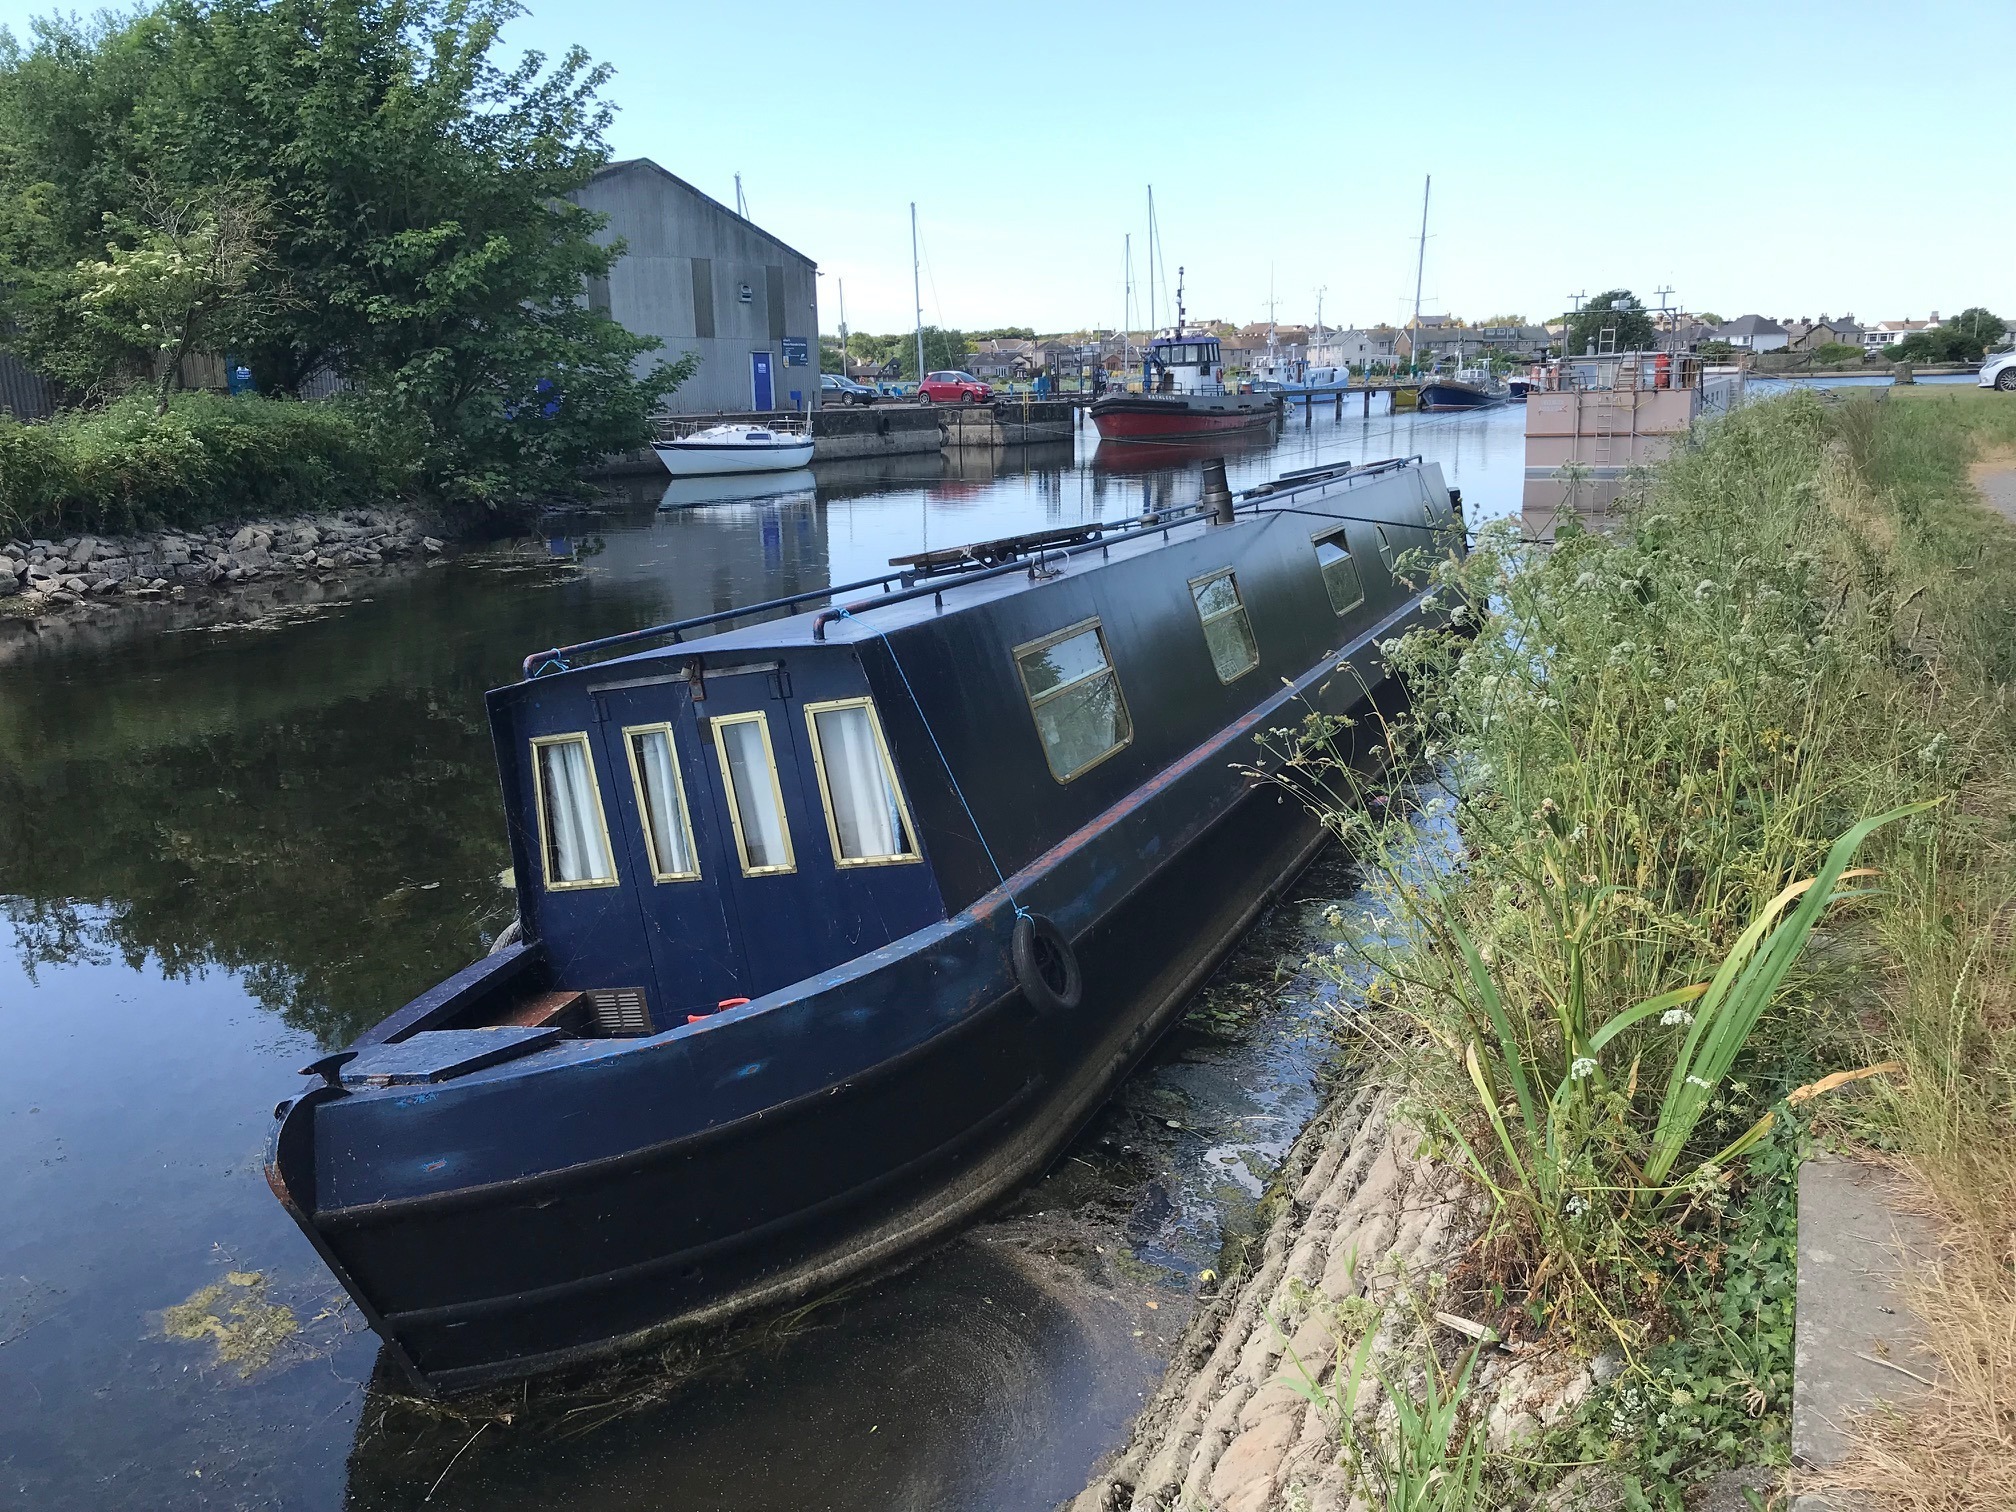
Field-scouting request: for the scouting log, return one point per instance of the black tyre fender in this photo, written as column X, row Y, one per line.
column 1046, row 968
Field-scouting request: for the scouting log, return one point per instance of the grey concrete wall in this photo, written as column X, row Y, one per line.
column 666, row 224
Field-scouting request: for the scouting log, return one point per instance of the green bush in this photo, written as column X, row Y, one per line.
column 122, row 468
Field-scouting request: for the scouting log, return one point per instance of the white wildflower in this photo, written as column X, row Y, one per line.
column 1672, row 706
column 1703, row 588
column 1575, row 1207
column 1582, row 1069
column 1674, row 1016
column 1695, row 1081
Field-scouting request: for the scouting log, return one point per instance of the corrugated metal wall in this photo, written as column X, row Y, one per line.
column 22, row 393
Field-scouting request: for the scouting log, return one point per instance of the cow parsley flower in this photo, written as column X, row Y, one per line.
column 1582, row 1068
column 1674, row 1016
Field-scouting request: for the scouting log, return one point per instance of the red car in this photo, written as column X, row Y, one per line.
column 952, row 388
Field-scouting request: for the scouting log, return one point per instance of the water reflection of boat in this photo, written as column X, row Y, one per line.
column 1153, row 456
column 835, row 929
column 690, row 493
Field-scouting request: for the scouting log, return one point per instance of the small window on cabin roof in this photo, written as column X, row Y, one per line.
column 573, row 839
column 1075, row 695
column 1227, row 631
column 1340, row 573
column 1386, row 553
column 661, row 804
column 755, row 800
column 866, row 818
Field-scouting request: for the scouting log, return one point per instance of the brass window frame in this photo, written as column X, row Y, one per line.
column 1342, row 534
column 658, row 873
column 761, row 720
column 831, row 705
column 1036, row 701
column 1238, row 608
column 615, row 877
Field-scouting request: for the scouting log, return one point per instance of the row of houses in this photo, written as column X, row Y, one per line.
column 1760, row 333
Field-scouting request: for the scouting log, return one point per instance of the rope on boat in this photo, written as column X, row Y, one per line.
column 957, row 791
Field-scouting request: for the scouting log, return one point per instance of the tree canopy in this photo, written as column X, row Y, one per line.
column 396, row 202
column 1618, row 308
column 1966, row 337
column 943, row 348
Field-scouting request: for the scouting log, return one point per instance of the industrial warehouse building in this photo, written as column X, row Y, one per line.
column 702, row 279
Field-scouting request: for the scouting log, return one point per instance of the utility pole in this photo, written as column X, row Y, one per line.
column 1420, row 265
column 1574, row 309
column 917, row 290
column 843, row 327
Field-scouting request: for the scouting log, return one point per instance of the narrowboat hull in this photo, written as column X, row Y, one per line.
column 1158, row 417
column 505, row 1191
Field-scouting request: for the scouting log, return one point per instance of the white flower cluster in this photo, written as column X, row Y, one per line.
column 1582, row 1068
column 1673, row 1016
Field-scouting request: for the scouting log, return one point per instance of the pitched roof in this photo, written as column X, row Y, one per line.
column 626, row 165
column 1750, row 325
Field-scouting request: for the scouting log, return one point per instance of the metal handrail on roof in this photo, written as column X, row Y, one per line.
column 556, row 658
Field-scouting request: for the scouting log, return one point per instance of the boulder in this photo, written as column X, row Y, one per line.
column 253, row 558
column 433, row 547
column 83, row 551
column 245, row 537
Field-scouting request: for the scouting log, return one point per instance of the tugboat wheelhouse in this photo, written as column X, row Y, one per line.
column 835, row 928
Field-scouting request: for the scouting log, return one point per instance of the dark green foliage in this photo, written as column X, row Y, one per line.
column 1966, row 337
column 1587, row 325
column 125, row 468
column 942, row 349
column 423, row 247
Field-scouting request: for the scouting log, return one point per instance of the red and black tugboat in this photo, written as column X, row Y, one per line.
column 1183, row 394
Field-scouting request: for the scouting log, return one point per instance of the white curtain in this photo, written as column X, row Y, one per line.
column 865, row 812
column 576, row 848
column 671, row 846
column 755, row 794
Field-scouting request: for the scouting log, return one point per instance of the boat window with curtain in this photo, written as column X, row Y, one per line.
column 572, row 837
column 1075, row 696
column 661, row 804
column 865, row 814
column 1227, row 631
column 755, row 802
column 1340, row 573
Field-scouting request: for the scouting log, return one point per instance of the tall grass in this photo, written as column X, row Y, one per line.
column 210, row 458
column 1668, row 749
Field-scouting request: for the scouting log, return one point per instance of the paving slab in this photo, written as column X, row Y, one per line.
column 1856, row 1346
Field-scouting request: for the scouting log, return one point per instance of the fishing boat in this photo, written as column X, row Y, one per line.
column 706, row 450
column 1451, row 394
column 834, row 928
column 1183, row 394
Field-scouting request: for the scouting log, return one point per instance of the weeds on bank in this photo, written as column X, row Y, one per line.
column 1733, row 797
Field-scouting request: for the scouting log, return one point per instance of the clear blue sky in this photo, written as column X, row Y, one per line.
column 1785, row 157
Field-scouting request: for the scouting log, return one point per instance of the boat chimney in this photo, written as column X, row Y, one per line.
column 1217, row 492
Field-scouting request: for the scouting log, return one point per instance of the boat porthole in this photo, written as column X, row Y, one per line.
column 1046, row 968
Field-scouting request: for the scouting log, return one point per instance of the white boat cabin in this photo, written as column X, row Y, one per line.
column 1185, row 365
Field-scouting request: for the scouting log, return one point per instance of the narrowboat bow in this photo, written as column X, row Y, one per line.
column 837, row 927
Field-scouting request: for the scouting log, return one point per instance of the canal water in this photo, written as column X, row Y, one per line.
column 230, row 840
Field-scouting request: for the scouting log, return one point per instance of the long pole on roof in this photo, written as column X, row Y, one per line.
column 1151, row 262
column 1420, row 263
column 917, row 290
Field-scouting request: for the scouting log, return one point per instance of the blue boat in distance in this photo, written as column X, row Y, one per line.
column 835, row 928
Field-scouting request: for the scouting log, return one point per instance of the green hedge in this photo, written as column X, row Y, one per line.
column 123, row 468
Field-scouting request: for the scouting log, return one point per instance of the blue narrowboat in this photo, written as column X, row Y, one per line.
column 834, row 928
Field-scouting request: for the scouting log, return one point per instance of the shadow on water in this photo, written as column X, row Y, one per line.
column 230, row 835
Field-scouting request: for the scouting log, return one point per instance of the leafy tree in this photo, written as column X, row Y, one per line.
column 942, row 349
column 1618, row 308
column 1710, row 318
column 1965, row 337
column 424, row 245
column 1003, row 333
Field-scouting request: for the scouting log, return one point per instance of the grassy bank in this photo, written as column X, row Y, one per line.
column 123, row 469
column 1737, row 790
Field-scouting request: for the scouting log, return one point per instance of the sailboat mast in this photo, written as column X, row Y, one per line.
column 1420, row 263
column 1151, row 262
column 1127, row 304
column 917, row 291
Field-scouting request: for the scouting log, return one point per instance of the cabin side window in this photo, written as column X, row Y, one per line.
column 755, row 801
column 661, row 804
column 1386, row 554
column 1340, row 573
column 866, row 818
column 1227, row 631
column 573, row 839
column 1075, row 695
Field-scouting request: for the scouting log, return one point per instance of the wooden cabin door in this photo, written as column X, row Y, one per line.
column 662, row 819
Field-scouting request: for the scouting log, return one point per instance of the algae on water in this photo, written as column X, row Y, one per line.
column 248, row 1330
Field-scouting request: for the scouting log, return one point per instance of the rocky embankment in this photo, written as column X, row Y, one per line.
column 1364, row 1239
column 43, row 576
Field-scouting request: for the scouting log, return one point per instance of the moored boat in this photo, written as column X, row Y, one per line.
column 834, row 928
column 1447, row 394
column 1183, row 394
column 715, row 449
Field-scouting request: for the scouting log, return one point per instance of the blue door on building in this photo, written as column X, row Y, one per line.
column 762, row 395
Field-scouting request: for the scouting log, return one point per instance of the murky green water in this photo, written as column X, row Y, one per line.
column 225, row 844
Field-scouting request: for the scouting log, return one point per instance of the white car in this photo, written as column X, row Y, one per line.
column 1999, row 371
